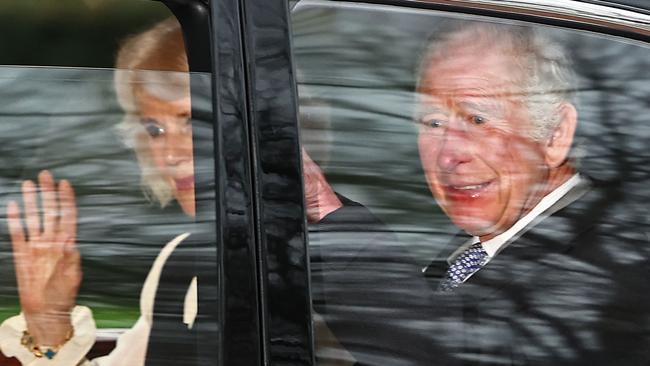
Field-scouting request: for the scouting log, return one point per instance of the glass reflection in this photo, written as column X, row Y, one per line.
column 506, row 225
column 152, row 85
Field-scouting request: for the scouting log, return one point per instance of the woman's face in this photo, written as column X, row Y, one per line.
column 168, row 130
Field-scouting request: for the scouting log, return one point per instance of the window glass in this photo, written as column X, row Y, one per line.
column 106, row 171
column 481, row 188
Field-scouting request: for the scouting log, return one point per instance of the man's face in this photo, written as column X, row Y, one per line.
column 481, row 165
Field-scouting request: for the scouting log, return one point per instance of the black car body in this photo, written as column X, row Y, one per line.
column 263, row 73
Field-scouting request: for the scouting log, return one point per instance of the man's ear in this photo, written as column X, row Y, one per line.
column 559, row 144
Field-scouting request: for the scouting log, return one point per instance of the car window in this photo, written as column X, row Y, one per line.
column 97, row 94
column 491, row 182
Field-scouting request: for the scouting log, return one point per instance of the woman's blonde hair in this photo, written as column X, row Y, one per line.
column 154, row 60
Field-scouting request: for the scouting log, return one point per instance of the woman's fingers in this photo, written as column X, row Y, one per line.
column 18, row 242
column 15, row 226
column 32, row 220
column 59, row 217
column 68, row 206
column 16, row 231
column 50, row 204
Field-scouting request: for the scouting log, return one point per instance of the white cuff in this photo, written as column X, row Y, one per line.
column 70, row 354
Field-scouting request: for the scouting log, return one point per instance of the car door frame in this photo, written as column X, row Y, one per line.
column 280, row 255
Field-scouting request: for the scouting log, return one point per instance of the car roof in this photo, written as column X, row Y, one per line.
column 642, row 5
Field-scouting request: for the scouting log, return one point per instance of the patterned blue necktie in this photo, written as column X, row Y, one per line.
column 465, row 264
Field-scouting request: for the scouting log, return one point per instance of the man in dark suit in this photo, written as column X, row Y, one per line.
column 547, row 274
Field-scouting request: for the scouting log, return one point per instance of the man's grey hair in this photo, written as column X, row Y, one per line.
column 547, row 76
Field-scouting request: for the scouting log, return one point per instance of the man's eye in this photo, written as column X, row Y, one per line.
column 478, row 120
column 153, row 129
column 433, row 123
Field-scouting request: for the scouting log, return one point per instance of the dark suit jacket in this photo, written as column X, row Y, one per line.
column 572, row 289
column 370, row 291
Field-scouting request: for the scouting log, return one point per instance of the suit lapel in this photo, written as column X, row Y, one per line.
column 552, row 232
column 437, row 268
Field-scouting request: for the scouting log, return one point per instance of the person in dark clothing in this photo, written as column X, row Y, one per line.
column 546, row 274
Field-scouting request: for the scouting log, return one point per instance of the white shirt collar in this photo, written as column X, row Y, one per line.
column 493, row 245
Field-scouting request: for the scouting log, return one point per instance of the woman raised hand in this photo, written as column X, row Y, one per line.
column 47, row 262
